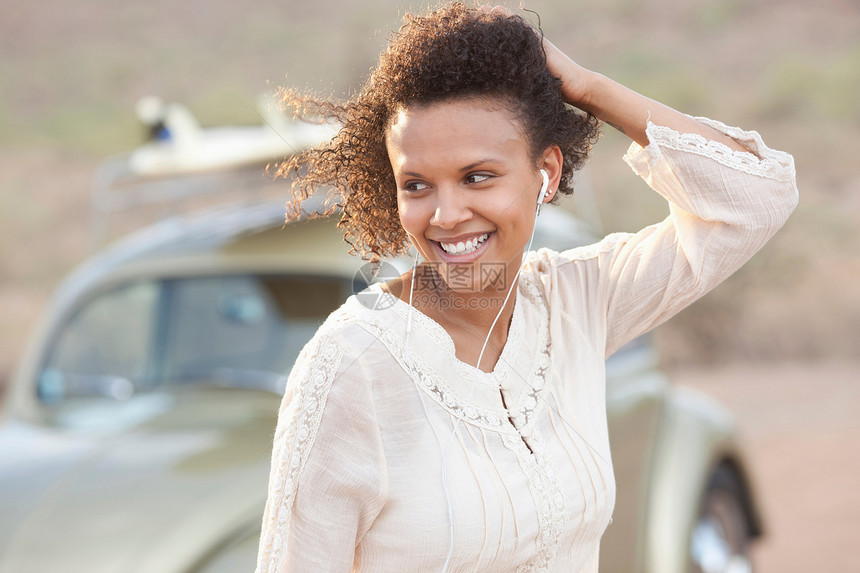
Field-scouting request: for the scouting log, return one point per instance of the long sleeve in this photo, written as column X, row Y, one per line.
column 724, row 205
column 328, row 479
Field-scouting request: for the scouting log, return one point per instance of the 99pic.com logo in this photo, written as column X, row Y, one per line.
column 370, row 274
column 431, row 285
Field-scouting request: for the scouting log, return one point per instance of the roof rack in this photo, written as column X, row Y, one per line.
column 185, row 165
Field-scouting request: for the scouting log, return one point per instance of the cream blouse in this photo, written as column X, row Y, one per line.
column 356, row 479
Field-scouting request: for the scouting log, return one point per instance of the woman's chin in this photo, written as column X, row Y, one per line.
column 481, row 279
column 478, row 273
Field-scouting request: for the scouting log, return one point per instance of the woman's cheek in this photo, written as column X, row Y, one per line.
column 414, row 230
column 412, row 218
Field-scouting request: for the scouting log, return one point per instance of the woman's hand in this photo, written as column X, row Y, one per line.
column 613, row 103
column 574, row 78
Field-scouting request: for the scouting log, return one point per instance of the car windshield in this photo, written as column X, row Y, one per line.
column 239, row 330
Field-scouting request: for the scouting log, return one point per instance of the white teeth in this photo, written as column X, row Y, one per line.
column 462, row 248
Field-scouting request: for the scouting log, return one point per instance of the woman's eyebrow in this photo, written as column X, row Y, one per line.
column 490, row 160
column 480, row 162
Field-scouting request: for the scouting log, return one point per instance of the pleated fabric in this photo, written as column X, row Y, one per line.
column 358, row 474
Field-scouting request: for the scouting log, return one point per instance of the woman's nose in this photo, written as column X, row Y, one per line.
column 451, row 209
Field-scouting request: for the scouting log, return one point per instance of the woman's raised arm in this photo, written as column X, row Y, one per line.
column 619, row 106
column 615, row 104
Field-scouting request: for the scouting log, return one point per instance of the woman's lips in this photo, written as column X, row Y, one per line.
column 466, row 257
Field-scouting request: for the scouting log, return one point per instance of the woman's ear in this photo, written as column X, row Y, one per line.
column 551, row 162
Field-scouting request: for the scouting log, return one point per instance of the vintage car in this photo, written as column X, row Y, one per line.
column 138, row 428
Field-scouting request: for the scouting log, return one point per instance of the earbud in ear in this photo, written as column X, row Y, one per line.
column 543, row 187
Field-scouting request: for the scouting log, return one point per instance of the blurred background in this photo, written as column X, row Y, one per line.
column 779, row 342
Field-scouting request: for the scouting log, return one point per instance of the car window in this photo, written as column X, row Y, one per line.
column 104, row 348
column 243, row 330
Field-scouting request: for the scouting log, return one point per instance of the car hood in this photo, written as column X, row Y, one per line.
column 149, row 485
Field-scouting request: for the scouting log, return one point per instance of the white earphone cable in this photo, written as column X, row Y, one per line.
column 427, row 415
column 444, row 450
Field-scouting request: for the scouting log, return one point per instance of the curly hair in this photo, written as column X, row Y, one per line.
column 452, row 52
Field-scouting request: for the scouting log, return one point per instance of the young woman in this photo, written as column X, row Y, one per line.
column 464, row 427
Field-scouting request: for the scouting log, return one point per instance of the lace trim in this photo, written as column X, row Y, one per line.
column 540, row 469
column 774, row 165
column 545, row 486
column 433, row 385
column 466, row 371
column 316, row 371
column 530, row 401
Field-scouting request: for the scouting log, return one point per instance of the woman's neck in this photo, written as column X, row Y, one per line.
column 466, row 316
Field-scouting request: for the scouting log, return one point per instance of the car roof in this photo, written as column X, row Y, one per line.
column 203, row 230
column 226, row 238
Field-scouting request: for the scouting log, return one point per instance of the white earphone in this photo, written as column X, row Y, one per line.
column 544, row 186
column 543, row 191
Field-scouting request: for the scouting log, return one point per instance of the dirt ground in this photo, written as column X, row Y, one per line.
column 801, row 428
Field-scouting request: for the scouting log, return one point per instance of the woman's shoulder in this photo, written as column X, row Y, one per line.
column 351, row 328
column 334, row 363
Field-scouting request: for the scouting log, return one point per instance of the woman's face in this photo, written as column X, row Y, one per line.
column 467, row 188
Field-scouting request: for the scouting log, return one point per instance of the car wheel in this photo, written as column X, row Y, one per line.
column 721, row 536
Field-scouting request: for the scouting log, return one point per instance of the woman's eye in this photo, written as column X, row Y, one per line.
column 476, row 178
column 416, row 186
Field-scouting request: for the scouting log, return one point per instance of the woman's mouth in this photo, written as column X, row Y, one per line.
column 464, row 248
column 463, row 251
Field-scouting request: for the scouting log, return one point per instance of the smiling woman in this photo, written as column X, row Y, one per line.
column 464, row 172
column 454, row 53
column 463, row 427
column 467, row 185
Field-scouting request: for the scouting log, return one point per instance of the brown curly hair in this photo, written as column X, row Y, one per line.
column 452, row 52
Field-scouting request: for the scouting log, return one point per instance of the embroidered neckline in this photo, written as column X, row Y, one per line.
column 495, row 417
column 501, row 369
